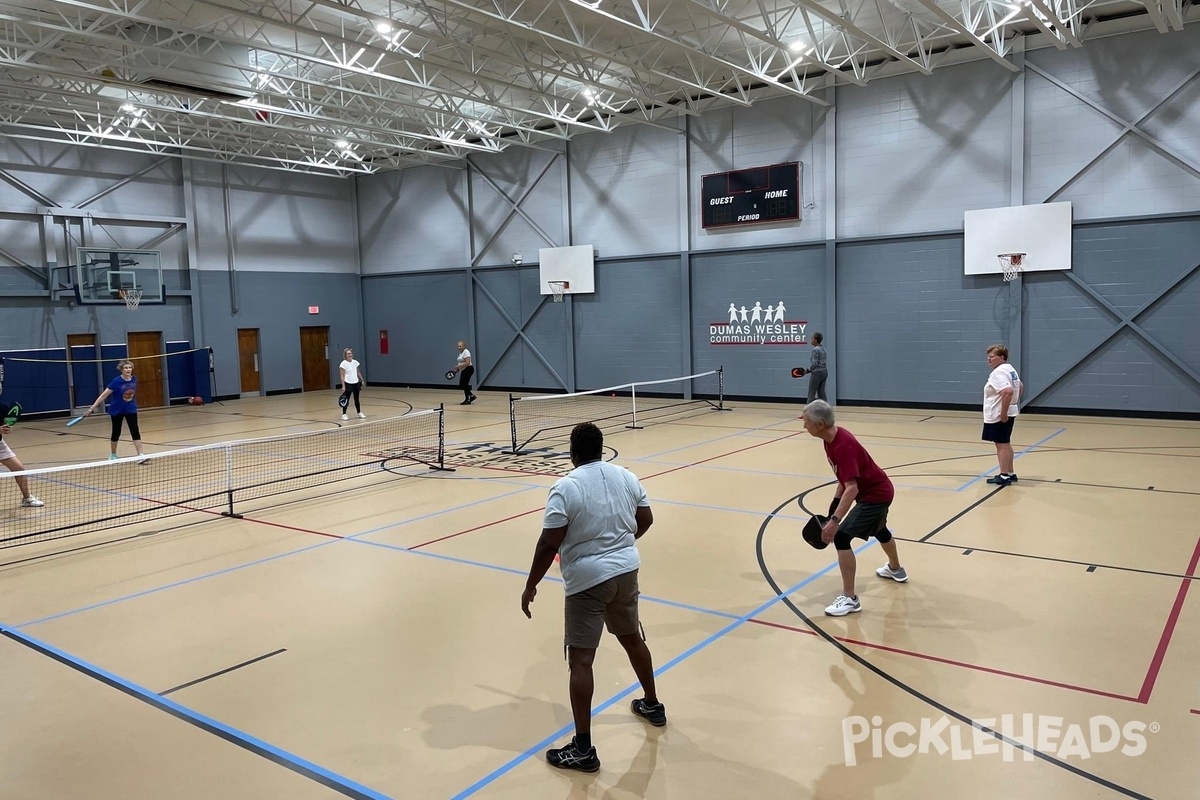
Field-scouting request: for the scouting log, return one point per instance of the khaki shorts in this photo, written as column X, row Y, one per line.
column 613, row 603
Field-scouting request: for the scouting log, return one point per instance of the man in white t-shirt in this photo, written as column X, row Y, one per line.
column 1000, row 396
column 465, row 370
column 593, row 516
column 353, row 379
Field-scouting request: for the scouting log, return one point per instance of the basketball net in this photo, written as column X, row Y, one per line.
column 1010, row 264
column 558, row 289
column 131, row 297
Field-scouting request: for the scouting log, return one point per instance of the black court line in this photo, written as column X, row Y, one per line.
column 911, row 690
column 974, row 549
column 925, row 420
column 960, row 515
column 221, row 672
column 314, row 772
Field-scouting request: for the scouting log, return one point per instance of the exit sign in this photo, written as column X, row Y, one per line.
column 314, row 309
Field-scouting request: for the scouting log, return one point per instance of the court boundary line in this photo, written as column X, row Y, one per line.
column 918, row 694
column 290, row 761
column 516, row 761
column 221, row 672
column 1164, row 642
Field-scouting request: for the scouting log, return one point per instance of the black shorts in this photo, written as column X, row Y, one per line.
column 864, row 521
column 998, row 432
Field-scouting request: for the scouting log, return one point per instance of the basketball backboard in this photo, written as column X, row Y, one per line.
column 101, row 276
column 574, row 265
column 1042, row 232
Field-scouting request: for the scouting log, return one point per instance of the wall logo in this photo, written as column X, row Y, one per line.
column 759, row 325
column 1049, row 735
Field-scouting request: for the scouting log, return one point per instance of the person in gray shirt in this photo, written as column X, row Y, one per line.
column 818, row 369
column 594, row 514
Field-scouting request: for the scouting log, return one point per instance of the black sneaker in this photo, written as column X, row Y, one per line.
column 1012, row 478
column 999, row 480
column 571, row 757
column 656, row 714
column 465, row 403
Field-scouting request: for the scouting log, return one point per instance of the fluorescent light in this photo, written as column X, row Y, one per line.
column 383, row 27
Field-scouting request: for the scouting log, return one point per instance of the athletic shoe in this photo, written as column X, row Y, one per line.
column 473, row 398
column 655, row 714
column 143, row 461
column 843, row 606
column 898, row 575
column 112, row 456
column 362, row 415
column 465, row 403
column 31, row 502
column 344, row 417
column 999, row 480
column 571, row 757
column 1012, row 478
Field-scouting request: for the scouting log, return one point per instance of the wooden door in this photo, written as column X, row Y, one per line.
column 146, row 351
column 83, row 370
column 314, row 356
column 248, row 361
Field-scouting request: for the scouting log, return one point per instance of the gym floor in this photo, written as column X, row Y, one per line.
column 366, row 639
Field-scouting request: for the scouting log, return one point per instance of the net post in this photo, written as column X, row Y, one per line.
column 229, row 483
column 633, row 426
column 512, row 421
column 441, row 448
column 721, row 389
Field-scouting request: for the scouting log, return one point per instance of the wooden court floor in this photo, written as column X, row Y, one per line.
column 366, row 640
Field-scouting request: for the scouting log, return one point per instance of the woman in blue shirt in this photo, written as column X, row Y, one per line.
column 123, row 408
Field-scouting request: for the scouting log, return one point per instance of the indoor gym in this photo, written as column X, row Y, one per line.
column 355, row 630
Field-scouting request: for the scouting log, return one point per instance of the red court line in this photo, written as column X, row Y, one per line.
column 648, row 477
column 1164, row 641
column 1194, row 711
column 951, row 662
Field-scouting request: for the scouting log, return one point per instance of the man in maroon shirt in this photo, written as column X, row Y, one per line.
column 866, row 487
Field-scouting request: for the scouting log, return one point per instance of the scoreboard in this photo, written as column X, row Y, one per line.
column 751, row 196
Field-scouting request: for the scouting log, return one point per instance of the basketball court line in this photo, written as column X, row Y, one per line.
column 301, row 766
column 1035, row 557
column 1164, row 641
column 951, row 662
column 921, row 696
column 1016, row 455
column 221, row 672
column 686, row 654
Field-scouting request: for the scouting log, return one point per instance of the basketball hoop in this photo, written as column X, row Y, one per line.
column 558, row 289
column 1011, row 264
column 131, row 297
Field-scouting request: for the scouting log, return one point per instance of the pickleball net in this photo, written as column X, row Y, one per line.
column 215, row 479
column 548, row 419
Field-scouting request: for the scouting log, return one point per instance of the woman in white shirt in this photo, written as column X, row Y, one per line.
column 465, row 370
column 353, row 379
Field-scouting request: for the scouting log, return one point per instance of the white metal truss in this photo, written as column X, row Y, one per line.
column 353, row 86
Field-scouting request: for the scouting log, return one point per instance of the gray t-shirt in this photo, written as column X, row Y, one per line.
column 597, row 503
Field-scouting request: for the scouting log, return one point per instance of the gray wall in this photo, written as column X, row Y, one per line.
column 876, row 262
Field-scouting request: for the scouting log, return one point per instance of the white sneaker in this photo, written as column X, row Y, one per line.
column 899, row 575
column 112, row 456
column 31, row 502
column 344, row 416
column 362, row 415
column 843, row 606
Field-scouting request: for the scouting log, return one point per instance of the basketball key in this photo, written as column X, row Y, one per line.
column 799, row 372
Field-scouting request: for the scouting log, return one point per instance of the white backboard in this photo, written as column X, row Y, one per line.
column 1042, row 231
column 576, row 265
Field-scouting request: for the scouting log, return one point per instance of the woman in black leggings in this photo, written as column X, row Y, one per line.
column 465, row 370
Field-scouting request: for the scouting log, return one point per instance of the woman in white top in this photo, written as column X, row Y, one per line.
column 465, row 370
column 353, row 379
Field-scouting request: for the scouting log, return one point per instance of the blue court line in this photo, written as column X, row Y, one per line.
column 254, row 563
column 563, row 731
column 302, row 766
column 1017, row 455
